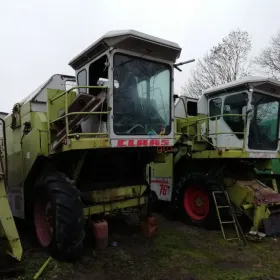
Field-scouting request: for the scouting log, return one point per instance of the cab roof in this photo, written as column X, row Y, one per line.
column 130, row 40
column 261, row 83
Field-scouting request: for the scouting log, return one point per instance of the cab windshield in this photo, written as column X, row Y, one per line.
column 264, row 125
column 141, row 96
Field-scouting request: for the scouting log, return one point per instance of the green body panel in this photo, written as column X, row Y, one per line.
column 86, row 143
column 275, row 166
column 107, row 208
column 8, row 230
column 163, row 169
column 108, row 200
column 200, row 145
column 118, row 193
column 23, row 150
column 244, row 197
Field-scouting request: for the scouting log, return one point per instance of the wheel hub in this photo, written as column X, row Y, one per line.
column 199, row 202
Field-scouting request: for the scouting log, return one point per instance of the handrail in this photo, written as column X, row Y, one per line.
column 88, row 133
column 227, row 133
column 80, row 113
column 218, row 116
column 216, row 133
column 66, row 114
column 76, row 87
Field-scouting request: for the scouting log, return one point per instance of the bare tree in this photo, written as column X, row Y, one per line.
column 269, row 58
column 226, row 62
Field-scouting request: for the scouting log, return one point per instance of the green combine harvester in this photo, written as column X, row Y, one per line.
column 225, row 141
column 80, row 153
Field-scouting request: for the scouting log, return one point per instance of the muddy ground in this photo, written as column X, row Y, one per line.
column 176, row 252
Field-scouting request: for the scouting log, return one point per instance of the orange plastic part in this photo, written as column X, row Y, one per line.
column 100, row 233
column 149, row 228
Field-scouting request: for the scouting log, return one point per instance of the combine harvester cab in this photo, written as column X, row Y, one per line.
column 83, row 152
column 219, row 147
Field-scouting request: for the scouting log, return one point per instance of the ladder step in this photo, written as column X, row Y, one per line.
column 228, row 222
column 235, row 238
column 218, row 192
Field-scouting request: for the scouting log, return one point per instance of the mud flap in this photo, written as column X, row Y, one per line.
column 272, row 225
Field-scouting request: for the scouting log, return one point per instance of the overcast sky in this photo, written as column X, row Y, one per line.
column 39, row 38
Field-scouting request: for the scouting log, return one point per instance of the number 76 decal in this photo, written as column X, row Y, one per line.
column 163, row 189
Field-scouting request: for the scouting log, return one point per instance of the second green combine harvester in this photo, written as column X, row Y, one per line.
column 222, row 139
column 83, row 152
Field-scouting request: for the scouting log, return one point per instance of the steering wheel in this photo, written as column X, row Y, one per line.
column 135, row 126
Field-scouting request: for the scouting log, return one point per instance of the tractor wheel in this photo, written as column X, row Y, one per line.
column 58, row 217
column 197, row 206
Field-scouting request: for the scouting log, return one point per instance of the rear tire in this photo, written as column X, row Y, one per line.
column 58, row 217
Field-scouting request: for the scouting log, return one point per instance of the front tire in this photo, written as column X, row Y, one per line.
column 58, row 217
column 196, row 204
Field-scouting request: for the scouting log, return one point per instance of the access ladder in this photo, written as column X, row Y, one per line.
column 239, row 232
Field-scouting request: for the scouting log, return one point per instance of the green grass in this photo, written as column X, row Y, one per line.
column 176, row 252
column 54, row 268
column 224, row 260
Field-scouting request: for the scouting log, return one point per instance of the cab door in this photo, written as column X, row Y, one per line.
column 226, row 123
